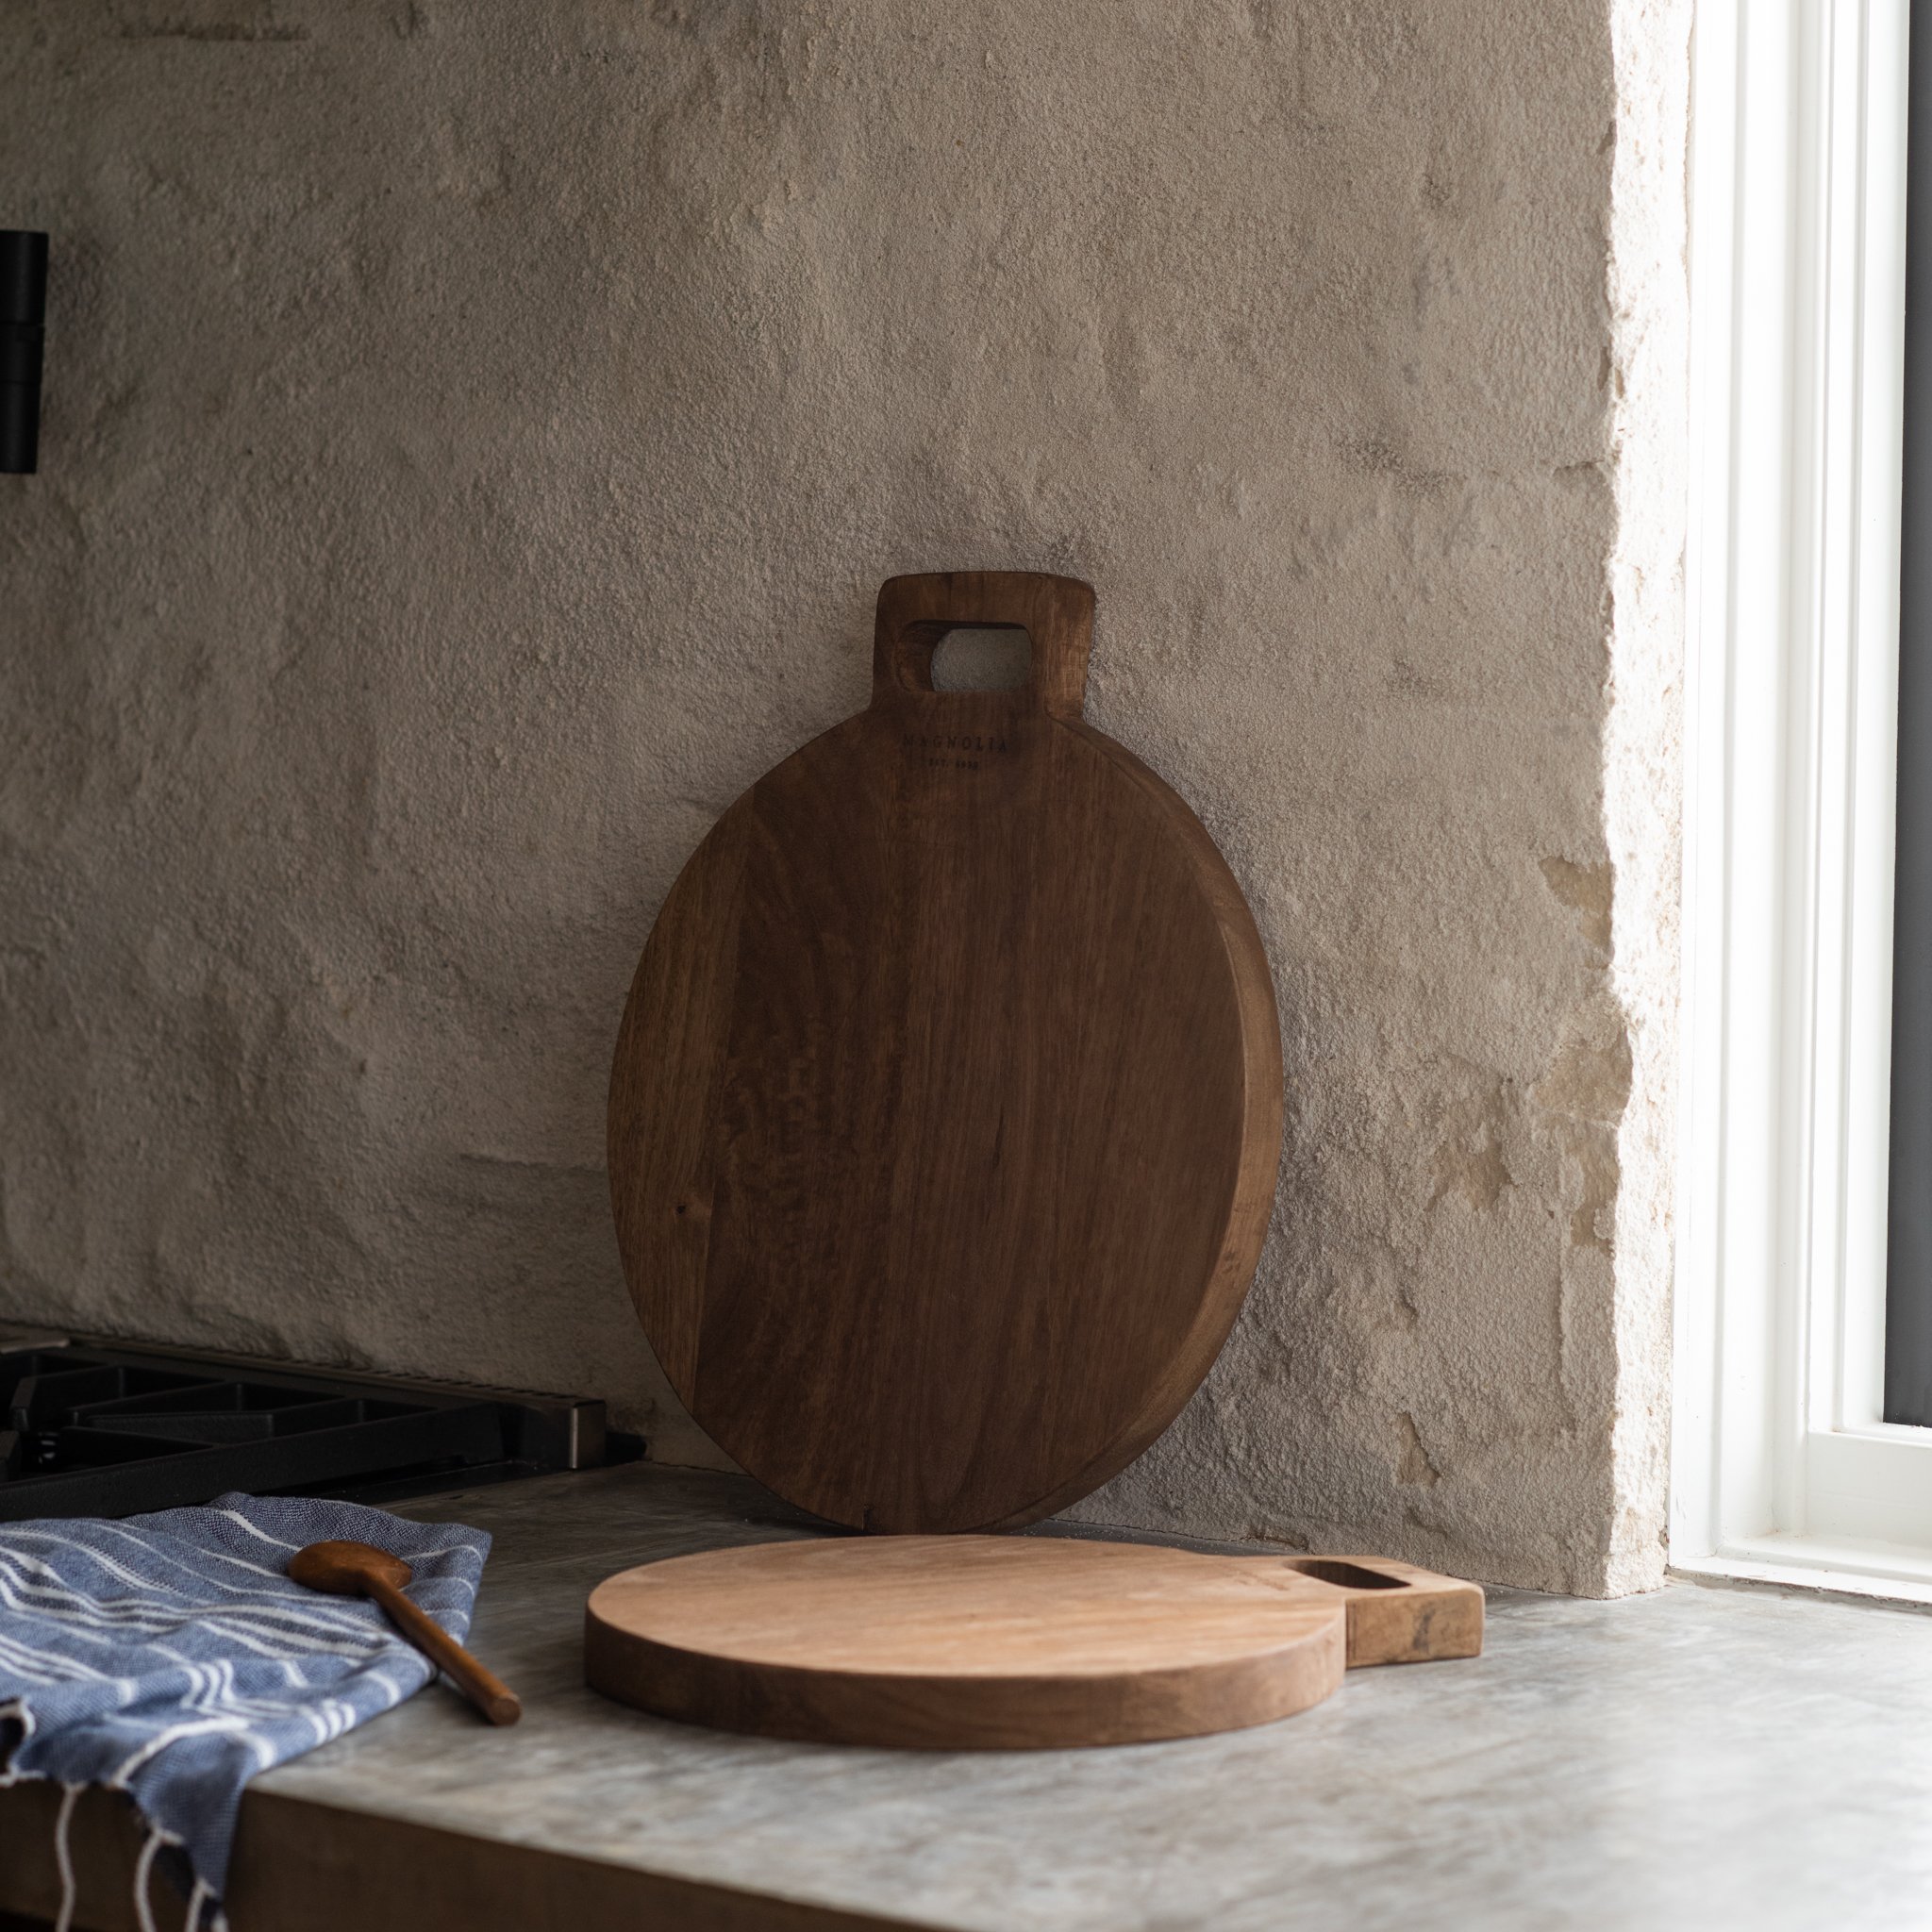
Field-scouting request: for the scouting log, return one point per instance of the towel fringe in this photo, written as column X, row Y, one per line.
column 63, row 1857
column 158, row 1836
column 144, row 1872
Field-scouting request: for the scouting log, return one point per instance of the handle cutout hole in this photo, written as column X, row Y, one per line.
column 1344, row 1575
column 982, row 657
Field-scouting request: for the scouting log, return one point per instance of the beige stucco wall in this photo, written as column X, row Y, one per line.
column 475, row 434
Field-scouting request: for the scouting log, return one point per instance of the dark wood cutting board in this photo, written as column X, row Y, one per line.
column 1006, row 1642
column 947, row 1103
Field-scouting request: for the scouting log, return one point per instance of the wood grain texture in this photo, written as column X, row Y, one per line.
column 966, row 1642
column 947, row 1101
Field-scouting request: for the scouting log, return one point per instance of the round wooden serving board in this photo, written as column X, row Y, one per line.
column 1006, row 1642
column 947, row 1108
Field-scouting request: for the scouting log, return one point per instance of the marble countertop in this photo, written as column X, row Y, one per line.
column 1697, row 1757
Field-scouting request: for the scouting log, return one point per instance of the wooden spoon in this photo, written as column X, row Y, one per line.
column 343, row 1568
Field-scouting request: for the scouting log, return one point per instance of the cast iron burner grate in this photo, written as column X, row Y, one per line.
column 89, row 1430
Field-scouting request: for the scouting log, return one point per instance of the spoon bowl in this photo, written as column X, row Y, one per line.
column 344, row 1569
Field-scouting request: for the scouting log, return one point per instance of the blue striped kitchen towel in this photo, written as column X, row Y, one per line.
column 170, row 1658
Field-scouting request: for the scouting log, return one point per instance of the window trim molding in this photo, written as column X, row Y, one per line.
column 1781, row 1467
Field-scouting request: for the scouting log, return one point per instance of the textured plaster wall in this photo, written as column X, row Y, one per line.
column 474, row 433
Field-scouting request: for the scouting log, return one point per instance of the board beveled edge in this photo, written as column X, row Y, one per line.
column 906, row 1710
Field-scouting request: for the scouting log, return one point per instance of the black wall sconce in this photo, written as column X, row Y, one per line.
column 23, row 330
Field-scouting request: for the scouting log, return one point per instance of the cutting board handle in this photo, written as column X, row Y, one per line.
column 915, row 612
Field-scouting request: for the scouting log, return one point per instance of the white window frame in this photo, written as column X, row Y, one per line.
column 1781, row 1466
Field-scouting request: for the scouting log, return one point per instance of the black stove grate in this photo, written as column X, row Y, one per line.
column 103, row 1431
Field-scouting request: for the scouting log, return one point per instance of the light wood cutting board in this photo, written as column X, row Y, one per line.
column 1006, row 1642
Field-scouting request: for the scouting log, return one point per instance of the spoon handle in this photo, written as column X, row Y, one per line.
column 480, row 1685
